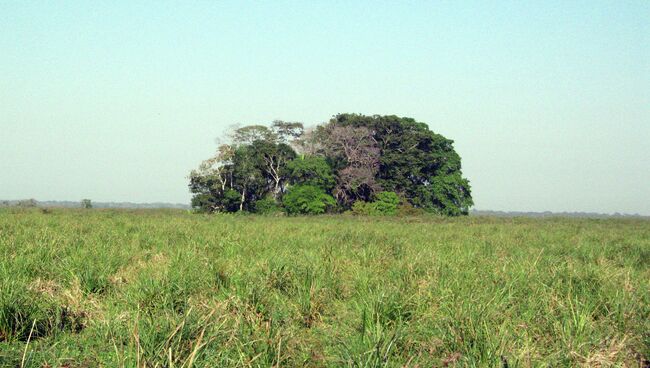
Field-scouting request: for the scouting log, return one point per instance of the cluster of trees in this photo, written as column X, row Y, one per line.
column 369, row 164
column 25, row 203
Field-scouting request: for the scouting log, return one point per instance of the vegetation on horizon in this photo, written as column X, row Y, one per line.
column 142, row 288
column 341, row 165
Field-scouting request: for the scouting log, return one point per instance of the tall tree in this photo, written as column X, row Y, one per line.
column 212, row 179
column 273, row 158
column 218, row 165
column 252, row 165
column 248, row 178
column 354, row 153
column 417, row 163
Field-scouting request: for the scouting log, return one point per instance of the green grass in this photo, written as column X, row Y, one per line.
column 171, row 289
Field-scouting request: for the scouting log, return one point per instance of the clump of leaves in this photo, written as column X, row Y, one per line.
column 267, row 206
column 385, row 204
column 311, row 170
column 307, row 200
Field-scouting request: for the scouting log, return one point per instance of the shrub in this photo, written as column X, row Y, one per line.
column 307, row 199
column 407, row 209
column 267, row 206
column 362, row 208
column 385, row 204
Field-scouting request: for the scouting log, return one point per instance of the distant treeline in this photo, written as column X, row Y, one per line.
column 79, row 204
column 367, row 164
column 593, row 215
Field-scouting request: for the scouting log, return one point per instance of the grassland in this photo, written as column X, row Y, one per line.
column 171, row 289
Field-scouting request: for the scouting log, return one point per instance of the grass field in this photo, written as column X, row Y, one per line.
column 171, row 289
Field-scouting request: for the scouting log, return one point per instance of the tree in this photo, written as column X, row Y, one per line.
column 310, row 142
column 279, row 132
column 248, row 134
column 85, row 203
column 273, row 158
column 212, row 180
column 416, row 163
column 217, row 166
column 269, row 150
column 253, row 165
column 355, row 154
column 230, row 201
column 248, row 177
column 355, row 158
column 311, row 170
column 286, row 132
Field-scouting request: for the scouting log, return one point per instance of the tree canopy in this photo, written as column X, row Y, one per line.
column 352, row 158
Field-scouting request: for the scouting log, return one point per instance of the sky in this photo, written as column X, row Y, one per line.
column 548, row 102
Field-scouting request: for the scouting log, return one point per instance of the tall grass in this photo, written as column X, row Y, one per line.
column 170, row 289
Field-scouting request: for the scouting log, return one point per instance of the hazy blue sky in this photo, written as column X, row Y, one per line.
column 548, row 102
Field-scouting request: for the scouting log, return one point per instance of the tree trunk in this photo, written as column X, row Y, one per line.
column 241, row 203
column 276, row 191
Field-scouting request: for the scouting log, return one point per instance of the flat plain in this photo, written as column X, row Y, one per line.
column 165, row 288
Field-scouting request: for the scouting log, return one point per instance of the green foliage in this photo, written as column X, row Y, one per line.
column 446, row 195
column 226, row 201
column 417, row 163
column 86, row 203
column 311, row 170
column 253, row 133
column 352, row 157
column 248, row 176
column 405, row 209
column 231, row 200
column 385, row 204
column 266, row 206
column 253, row 168
column 363, row 208
column 165, row 288
column 202, row 202
column 307, row 200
